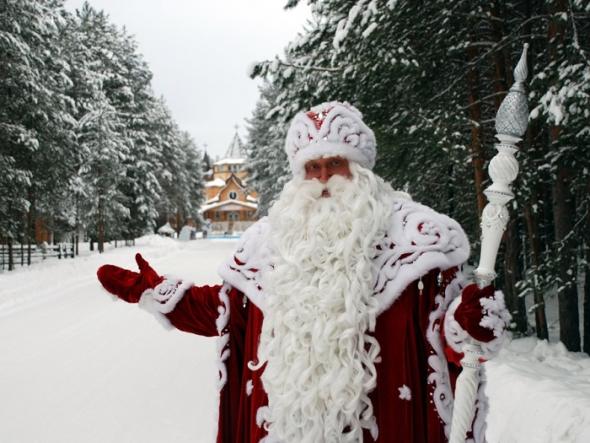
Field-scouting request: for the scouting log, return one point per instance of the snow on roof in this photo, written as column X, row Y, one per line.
column 228, row 202
column 235, row 148
column 251, row 199
column 218, row 182
column 230, row 161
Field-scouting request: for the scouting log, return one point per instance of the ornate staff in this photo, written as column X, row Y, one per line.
column 511, row 124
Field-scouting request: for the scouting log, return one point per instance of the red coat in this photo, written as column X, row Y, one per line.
column 415, row 382
column 402, row 331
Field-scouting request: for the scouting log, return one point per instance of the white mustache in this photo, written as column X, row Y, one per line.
column 332, row 187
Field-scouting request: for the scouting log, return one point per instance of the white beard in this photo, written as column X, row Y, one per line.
column 315, row 340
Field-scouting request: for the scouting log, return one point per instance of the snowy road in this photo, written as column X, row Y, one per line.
column 76, row 367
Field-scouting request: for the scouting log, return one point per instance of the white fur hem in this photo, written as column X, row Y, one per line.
column 223, row 339
column 442, row 394
column 222, row 344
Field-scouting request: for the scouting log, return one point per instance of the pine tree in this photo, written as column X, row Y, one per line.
column 34, row 114
column 267, row 161
column 429, row 78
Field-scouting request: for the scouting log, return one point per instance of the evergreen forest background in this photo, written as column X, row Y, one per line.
column 86, row 146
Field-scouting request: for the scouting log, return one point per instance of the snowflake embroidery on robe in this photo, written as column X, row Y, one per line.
column 405, row 393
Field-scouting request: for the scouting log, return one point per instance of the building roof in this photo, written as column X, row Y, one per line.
column 235, row 152
column 228, row 202
column 230, row 161
column 217, row 183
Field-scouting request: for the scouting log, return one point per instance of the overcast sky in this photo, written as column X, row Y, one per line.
column 200, row 52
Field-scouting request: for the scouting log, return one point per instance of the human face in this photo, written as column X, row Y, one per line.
column 324, row 168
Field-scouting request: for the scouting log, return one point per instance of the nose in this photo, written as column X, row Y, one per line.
column 324, row 174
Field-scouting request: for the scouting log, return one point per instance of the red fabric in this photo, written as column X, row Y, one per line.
column 470, row 312
column 401, row 331
column 128, row 285
column 405, row 350
column 197, row 311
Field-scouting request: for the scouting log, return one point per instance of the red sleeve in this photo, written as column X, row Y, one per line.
column 197, row 311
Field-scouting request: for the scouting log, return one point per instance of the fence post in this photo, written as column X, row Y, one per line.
column 10, row 257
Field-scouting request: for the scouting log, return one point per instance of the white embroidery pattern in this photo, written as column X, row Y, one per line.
column 223, row 339
column 242, row 271
column 442, row 394
column 405, row 393
column 418, row 241
column 223, row 350
column 163, row 298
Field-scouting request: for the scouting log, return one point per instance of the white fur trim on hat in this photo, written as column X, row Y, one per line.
column 331, row 129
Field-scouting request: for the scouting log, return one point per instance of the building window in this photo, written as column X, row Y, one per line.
column 217, row 215
column 233, row 216
column 233, row 195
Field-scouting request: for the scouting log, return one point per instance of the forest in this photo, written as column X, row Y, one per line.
column 86, row 147
column 429, row 78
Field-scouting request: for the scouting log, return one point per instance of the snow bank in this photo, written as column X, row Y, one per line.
column 539, row 393
column 155, row 240
column 77, row 367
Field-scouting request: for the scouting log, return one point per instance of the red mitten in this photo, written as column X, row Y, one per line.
column 128, row 285
column 481, row 313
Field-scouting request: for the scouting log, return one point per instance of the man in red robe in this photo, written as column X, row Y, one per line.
column 342, row 314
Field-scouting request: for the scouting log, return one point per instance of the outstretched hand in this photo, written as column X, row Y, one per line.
column 129, row 285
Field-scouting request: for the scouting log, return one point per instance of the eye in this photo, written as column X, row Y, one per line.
column 336, row 162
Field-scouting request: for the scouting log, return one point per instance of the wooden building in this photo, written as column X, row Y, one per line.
column 230, row 206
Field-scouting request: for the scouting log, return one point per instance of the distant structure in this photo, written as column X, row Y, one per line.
column 229, row 205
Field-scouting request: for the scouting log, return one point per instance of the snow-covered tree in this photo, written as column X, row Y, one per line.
column 82, row 138
column 181, row 173
column 34, row 113
column 267, row 160
column 429, row 78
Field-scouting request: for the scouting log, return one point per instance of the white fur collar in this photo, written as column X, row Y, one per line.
column 418, row 241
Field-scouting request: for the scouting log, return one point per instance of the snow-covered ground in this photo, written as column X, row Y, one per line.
column 77, row 367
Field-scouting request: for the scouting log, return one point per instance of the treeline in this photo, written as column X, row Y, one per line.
column 429, row 78
column 85, row 145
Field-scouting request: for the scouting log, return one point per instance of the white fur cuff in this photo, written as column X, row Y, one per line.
column 496, row 318
column 163, row 298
